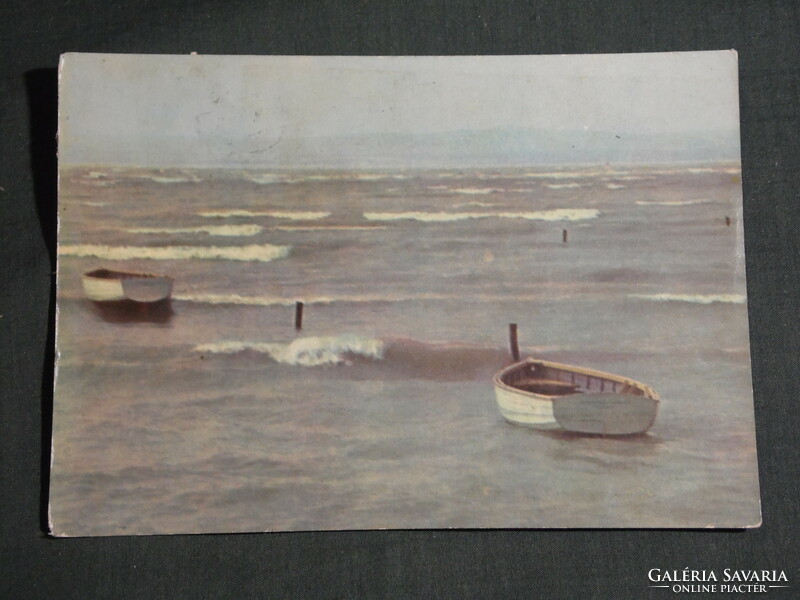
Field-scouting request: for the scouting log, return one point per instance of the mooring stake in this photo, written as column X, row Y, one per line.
column 298, row 315
column 513, row 342
column 564, row 236
column 728, row 221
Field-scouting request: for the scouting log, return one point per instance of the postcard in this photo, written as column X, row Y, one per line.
column 326, row 293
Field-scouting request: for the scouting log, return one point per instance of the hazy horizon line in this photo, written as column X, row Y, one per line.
column 245, row 167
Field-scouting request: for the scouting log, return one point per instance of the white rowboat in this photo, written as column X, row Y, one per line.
column 103, row 285
column 548, row 395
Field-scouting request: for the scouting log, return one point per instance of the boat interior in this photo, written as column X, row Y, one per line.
column 547, row 380
column 109, row 274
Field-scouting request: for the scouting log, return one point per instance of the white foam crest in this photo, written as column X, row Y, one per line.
column 694, row 298
column 474, row 191
column 570, row 174
column 695, row 170
column 672, row 202
column 95, row 204
column 283, row 301
column 564, row 186
column 169, row 179
column 471, row 191
column 325, row 177
column 379, row 176
column 299, row 177
column 157, row 179
column 266, row 178
column 256, row 253
column 294, row 215
column 235, row 299
column 219, row 230
column 328, row 227
column 475, row 203
column 306, row 352
column 558, row 214
column 615, row 186
column 645, row 172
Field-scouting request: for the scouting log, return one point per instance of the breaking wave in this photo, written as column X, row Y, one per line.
column 564, row 174
column 615, row 186
column 564, row 186
column 214, row 298
column 694, row 298
column 367, row 357
column 379, row 176
column 672, row 202
column 267, row 178
column 328, row 227
column 299, row 177
column 644, row 172
column 184, row 178
column 558, row 214
column 157, row 179
column 475, row 203
column 474, row 191
column 220, row 230
column 306, row 352
column 234, row 299
column 283, row 301
column 294, row 215
column 257, row 253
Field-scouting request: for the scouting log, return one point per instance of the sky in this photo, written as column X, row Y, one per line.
column 189, row 110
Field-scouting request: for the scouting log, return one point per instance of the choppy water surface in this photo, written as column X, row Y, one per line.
column 215, row 415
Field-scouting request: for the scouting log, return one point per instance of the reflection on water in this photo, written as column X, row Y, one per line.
column 129, row 311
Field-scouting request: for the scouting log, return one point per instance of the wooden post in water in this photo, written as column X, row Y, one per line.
column 298, row 315
column 728, row 221
column 564, row 236
column 513, row 342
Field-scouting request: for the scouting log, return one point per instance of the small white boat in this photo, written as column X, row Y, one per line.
column 103, row 285
column 548, row 395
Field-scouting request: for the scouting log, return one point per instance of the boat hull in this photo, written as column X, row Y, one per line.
column 147, row 289
column 521, row 408
column 103, row 290
column 605, row 414
column 103, row 285
column 553, row 396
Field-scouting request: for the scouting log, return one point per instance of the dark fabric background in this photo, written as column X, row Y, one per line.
column 388, row 564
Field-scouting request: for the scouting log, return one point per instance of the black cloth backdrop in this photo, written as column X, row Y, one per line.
column 388, row 564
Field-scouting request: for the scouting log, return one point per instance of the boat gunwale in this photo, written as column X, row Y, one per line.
column 649, row 392
column 111, row 275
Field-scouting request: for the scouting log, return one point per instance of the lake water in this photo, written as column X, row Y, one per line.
column 215, row 415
